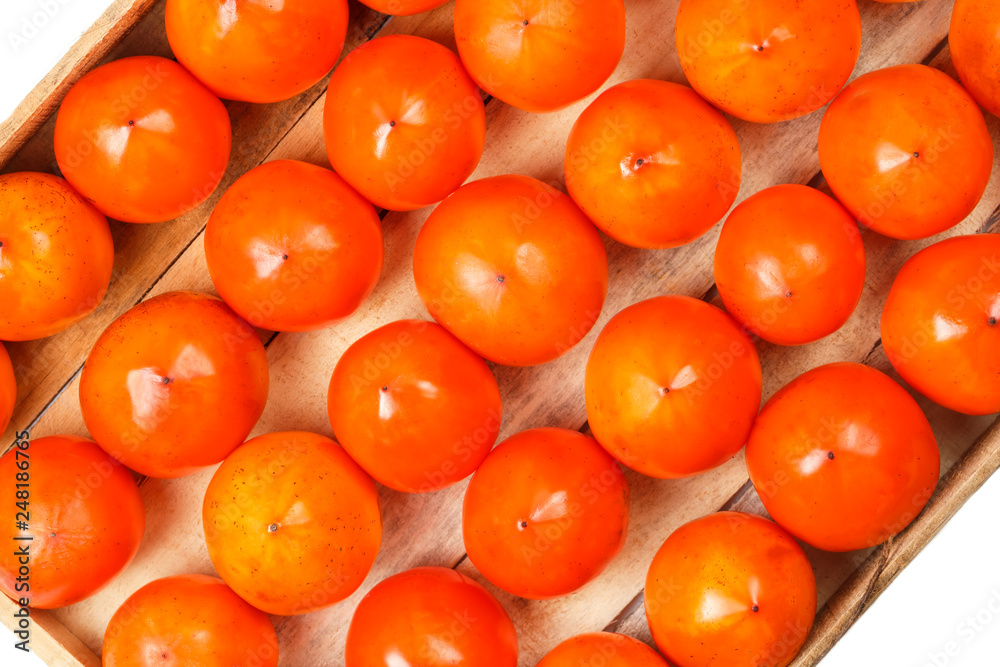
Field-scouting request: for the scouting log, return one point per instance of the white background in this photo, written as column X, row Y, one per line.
column 942, row 611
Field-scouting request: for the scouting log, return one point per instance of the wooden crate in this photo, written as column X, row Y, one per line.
column 426, row 529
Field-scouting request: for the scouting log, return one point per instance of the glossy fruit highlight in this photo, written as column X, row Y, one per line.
column 545, row 513
column 652, row 164
column 672, row 387
column 174, row 384
column 56, row 256
column 293, row 525
column 513, row 269
column 84, row 514
column 842, row 457
column 416, row 408
column 790, row 264
column 291, row 247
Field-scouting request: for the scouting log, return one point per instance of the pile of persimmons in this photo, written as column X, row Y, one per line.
column 513, row 271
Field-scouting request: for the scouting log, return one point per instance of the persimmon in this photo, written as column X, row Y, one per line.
column 403, row 123
column 842, row 457
column 788, row 282
column 142, row 139
column 906, row 151
column 291, row 247
column 607, row 649
column 174, row 384
column 432, row 617
column 672, row 387
column 940, row 323
column 545, row 513
column 403, row 7
column 513, row 269
column 189, row 619
column 652, row 164
column 292, row 523
column 83, row 520
column 730, row 589
column 975, row 49
column 56, row 256
column 770, row 60
column 257, row 51
column 540, row 55
column 8, row 389
column 416, row 408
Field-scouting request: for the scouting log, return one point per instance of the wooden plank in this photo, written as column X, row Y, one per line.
column 426, row 529
column 49, row 639
column 44, row 98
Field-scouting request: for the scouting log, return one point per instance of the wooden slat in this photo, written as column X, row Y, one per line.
column 426, row 529
column 49, row 639
column 43, row 99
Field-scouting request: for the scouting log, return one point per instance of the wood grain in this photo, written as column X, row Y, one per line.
column 92, row 46
column 425, row 529
column 49, row 639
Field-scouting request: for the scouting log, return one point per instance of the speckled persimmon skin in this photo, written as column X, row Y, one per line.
column 291, row 247
column 513, row 269
column 906, row 150
column 431, row 617
column 257, row 51
column 174, row 384
column 768, row 61
column 403, row 7
column 652, row 164
column 730, row 590
column 142, row 139
column 607, row 649
column 788, row 282
column 975, row 49
column 672, row 387
column 403, row 122
column 8, row 389
column 941, row 323
column 540, row 55
column 190, row 619
column 292, row 523
column 85, row 518
column 416, row 408
column 56, row 256
column 545, row 513
column 842, row 457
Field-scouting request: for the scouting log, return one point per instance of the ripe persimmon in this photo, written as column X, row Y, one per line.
column 672, row 387
column 540, row 55
column 941, row 323
column 257, row 51
column 788, row 282
column 768, row 61
column 291, row 247
column 8, row 389
column 730, row 589
column 652, row 164
column 56, row 256
column 545, row 513
column 975, row 51
column 607, row 649
column 83, row 520
column 513, row 269
column 842, row 457
column 403, row 7
column 292, row 523
column 416, row 408
column 431, row 617
column 142, row 139
column 403, row 123
column 189, row 619
column 906, row 150
column 174, row 384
